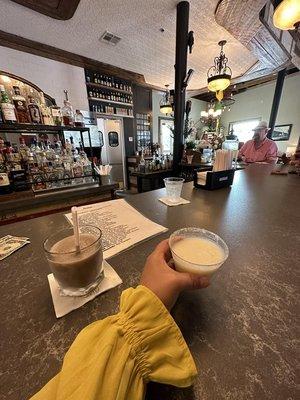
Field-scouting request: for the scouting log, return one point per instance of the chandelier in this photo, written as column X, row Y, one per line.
column 213, row 113
column 165, row 105
column 287, row 14
column 219, row 75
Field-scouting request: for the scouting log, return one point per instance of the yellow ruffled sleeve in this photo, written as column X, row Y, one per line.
column 114, row 358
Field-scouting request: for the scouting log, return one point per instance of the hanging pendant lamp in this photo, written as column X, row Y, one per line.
column 219, row 75
column 165, row 104
column 287, row 14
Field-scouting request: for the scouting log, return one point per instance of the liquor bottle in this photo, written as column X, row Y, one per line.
column 68, row 147
column 5, row 186
column 20, row 106
column 67, row 112
column 56, row 115
column 34, row 111
column 78, row 118
column 24, row 150
column 73, row 147
column 8, row 109
column 45, row 111
column 77, row 170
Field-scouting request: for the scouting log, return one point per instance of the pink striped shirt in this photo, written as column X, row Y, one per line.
column 267, row 151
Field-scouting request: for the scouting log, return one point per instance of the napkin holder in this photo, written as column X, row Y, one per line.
column 215, row 180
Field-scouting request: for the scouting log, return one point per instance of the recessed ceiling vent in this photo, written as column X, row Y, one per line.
column 110, row 38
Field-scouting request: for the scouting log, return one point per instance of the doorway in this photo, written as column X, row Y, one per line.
column 113, row 152
column 166, row 134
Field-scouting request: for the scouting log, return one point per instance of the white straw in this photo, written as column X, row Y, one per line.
column 76, row 227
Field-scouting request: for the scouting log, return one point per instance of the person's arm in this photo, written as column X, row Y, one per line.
column 271, row 156
column 113, row 359
column 241, row 153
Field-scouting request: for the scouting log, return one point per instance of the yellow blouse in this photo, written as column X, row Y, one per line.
column 113, row 359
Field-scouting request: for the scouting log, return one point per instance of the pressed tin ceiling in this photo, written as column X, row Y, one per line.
column 143, row 48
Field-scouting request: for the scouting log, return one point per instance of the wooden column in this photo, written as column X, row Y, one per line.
column 182, row 26
column 276, row 100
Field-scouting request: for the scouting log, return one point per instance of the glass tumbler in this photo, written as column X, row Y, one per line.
column 173, row 188
column 77, row 272
column 205, row 245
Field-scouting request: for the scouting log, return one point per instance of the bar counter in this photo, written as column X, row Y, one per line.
column 242, row 330
column 17, row 206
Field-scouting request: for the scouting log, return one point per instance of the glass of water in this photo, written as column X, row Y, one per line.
column 174, row 188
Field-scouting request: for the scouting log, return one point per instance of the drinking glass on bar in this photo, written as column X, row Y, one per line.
column 197, row 251
column 173, row 188
column 77, row 272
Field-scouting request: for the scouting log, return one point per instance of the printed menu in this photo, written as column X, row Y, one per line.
column 121, row 224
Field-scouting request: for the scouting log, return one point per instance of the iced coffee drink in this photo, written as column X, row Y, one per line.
column 77, row 271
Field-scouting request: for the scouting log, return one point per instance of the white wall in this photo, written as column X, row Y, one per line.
column 51, row 76
column 157, row 96
column 197, row 107
column 257, row 102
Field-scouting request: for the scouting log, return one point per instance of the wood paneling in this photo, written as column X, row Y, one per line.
column 142, row 99
column 58, row 9
column 43, row 50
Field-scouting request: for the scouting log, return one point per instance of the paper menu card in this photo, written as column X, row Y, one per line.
column 121, row 224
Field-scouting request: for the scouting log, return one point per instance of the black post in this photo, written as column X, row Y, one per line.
column 182, row 26
column 276, row 100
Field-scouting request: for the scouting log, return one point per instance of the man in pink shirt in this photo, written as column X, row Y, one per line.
column 260, row 148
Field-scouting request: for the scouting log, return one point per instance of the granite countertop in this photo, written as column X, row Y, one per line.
column 242, row 330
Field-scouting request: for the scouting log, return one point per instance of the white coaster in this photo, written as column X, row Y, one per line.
column 167, row 201
column 65, row 304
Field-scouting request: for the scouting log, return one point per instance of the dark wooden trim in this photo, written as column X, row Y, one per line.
column 153, row 87
column 63, row 11
column 276, row 100
column 43, row 50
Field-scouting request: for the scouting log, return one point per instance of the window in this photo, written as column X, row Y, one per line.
column 166, row 135
column 243, row 129
column 143, row 130
column 113, row 139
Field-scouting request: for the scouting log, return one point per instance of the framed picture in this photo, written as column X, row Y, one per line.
column 281, row 132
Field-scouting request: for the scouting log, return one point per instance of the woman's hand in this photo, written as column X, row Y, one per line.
column 164, row 281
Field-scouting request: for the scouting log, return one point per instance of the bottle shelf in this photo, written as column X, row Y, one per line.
column 39, row 128
column 100, row 86
column 113, row 115
column 110, row 101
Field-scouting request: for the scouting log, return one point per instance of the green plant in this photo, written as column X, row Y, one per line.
column 190, row 145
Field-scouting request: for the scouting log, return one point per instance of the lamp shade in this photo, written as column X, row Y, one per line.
column 166, row 109
column 218, row 82
column 287, row 15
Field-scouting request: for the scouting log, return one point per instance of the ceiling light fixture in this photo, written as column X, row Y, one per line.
column 219, row 75
column 214, row 112
column 287, row 14
column 166, row 103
